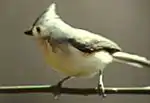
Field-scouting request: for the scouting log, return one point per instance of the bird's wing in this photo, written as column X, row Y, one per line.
column 92, row 43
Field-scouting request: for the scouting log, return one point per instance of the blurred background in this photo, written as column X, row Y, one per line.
column 127, row 22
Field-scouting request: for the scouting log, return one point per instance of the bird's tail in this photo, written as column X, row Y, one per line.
column 131, row 59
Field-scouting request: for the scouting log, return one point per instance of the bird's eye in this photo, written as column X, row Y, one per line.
column 38, row 29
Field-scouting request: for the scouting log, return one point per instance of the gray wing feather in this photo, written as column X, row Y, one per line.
column 88, row 42
column 94, row 45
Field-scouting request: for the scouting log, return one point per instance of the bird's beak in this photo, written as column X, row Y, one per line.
column 28, row 32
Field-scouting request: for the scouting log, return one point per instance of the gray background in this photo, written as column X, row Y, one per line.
column 126, row 22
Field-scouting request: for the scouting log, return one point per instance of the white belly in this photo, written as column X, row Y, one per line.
column 76, row 63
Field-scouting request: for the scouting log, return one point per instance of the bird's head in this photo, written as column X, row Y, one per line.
column 40, row 27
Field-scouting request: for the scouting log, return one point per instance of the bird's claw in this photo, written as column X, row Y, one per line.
column 57, row 91
column 101, row 91
column 58, row 86
column 56, row 96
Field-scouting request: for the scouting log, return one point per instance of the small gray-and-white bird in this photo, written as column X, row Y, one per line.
column 77, row 52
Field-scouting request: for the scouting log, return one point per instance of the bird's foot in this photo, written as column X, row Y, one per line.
column 57, row 90
column 58, row 87
column 101, row 90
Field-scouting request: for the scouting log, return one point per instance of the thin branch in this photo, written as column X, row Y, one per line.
column 73, row 91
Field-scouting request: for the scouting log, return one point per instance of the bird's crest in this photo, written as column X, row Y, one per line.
column 48, row 14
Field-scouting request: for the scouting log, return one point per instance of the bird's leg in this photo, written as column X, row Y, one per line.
column 63, row 80
column 58, row 86
column 100, row 88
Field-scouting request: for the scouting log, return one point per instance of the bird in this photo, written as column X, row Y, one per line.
column 75, row 52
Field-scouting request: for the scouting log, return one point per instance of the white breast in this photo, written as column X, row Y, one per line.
column 76, row 63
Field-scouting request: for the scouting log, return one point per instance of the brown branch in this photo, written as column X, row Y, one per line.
column 72, row 91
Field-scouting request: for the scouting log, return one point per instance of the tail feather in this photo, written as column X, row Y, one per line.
column 131, row 59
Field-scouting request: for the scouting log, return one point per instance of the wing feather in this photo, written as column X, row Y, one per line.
column 93, row 43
